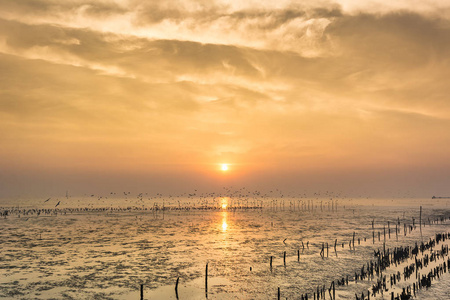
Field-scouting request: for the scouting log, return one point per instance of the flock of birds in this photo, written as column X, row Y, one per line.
column 241, row 196
column 234, row 198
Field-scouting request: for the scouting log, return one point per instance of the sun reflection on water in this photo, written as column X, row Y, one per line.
column 224, row 222
column 224, row 203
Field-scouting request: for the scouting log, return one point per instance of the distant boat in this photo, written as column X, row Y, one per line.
column 434, row 197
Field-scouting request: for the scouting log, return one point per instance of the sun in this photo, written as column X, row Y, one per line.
column 224, row 167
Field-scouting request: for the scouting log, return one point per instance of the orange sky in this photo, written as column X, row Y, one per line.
column 155, row 95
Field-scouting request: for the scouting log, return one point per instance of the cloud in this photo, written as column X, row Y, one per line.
column 401, row 37
column 50, row 7
column 375, row 56
column 396, row 60
column 280, row 26
column 203, row 22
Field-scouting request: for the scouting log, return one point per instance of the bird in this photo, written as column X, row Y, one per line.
column 57, row 203
column 47, row 200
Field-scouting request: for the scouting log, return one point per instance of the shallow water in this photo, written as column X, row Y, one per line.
column 108, row 254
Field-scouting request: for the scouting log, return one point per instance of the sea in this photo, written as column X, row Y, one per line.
column 208, row 247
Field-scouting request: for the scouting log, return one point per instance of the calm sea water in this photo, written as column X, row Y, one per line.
column 107, row 254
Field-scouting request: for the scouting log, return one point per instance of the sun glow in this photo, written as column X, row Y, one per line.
column 224, row 202
column 224, row 167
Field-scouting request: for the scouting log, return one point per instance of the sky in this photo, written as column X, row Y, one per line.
column 153, row 96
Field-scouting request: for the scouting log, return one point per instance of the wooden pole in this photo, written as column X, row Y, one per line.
column 206, row 278
column 373, row 231
column 389, row 229
column 334, row 294
column 284, row 258
column 142, row 292
column 176, row 287
column 420, row 217
column 279, row 294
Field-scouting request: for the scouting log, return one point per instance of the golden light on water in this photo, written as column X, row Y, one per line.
column 224, row 224
column 224, row 202
column 224, row 205
column 224, row 221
